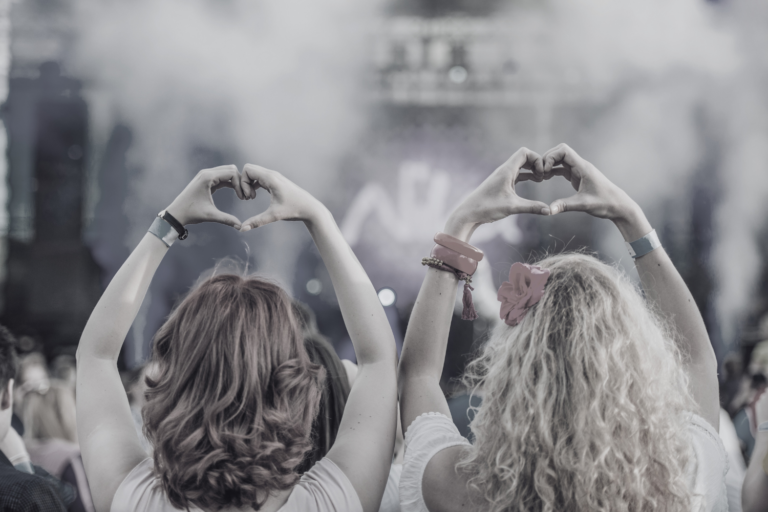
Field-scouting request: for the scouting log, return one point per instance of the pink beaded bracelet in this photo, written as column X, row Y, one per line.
column 462, row 267
column 454, row 259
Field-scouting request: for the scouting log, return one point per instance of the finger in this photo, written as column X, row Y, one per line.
column 523, row 205
column 259, row 220
column 524, row 158
column 222, row 184
column 252, row 186
column 575, row 203
column 224, row 218
column 562, row 153
column 564, row 171
column 533, row 162
column 227, row 176
column 527, row 176
column 261, row 175
column 248, row 191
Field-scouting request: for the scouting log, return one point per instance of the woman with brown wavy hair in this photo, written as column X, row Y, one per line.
column 230, row 406
column 594, row 398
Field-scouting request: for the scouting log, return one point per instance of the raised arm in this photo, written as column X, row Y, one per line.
column 661, row 281
column 423, row 355
column 108, row 440
column 365, row 440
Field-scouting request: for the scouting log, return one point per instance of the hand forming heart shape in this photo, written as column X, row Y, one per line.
column 493, row 200
column 195, row 203
column 496, row 197
column 595, row 194
column 288, row 201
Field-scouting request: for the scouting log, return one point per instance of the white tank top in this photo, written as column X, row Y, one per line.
column 324, row 488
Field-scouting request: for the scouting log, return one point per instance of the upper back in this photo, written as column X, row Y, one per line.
column 445, row 489
column 233, row 395
column 321, row 489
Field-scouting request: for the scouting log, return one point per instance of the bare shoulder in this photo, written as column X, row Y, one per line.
column 444, row 489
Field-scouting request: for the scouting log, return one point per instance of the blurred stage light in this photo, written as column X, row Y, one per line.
column 387, row 297
column 314, row 286
column 458, row 74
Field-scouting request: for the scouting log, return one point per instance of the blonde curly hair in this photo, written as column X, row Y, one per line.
column 585, row 402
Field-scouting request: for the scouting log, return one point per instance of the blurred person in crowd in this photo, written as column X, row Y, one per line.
column 22, row 489
column 33, row 375
column 137, row 389
column 755, row 490
column 588, row 403
column 51, row 438
column 731, row 381
column 335, row 390
column 339, row 379
column 230, row 411
column 64, row 369
column 754, row 382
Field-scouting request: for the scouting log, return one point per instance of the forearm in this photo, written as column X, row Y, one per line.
column 754, row 494
column 113, row 315
column 426, row 338
column 363, row 314
column 664, row 287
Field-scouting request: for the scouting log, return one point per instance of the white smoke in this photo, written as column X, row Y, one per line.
column 743, row 214
column 269, row 82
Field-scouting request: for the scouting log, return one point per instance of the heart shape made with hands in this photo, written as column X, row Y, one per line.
column 287, row 200
column 594, row 193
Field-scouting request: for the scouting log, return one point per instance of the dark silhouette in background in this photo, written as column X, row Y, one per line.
column 52, row 280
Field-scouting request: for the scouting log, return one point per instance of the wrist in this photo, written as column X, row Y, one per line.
column 632, row 223
column 459, row 228
column 178, row 213
column 318, row 216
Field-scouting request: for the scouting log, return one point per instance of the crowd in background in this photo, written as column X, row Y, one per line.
column 45, row 418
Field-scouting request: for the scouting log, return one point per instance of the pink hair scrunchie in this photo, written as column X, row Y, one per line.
column 524, row 289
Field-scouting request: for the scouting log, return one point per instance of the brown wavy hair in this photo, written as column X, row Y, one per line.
column 230, row 407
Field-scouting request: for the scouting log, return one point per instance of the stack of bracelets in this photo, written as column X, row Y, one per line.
column 452, row 255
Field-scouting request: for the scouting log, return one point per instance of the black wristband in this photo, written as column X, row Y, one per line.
column 170, row 219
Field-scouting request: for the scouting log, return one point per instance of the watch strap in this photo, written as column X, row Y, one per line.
column 170, row 219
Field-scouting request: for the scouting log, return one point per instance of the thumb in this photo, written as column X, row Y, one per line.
column 224, row 218
column 575, row 203
column 528, row 206
column 259, row 220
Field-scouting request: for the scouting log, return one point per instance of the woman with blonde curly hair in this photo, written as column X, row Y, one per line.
column 230, row 405
column 594, row 397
